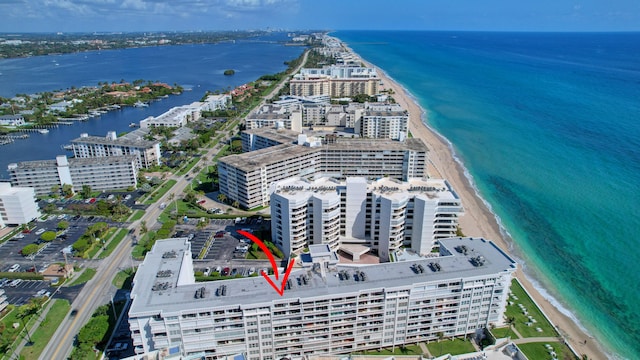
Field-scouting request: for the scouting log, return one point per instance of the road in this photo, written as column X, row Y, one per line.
column 97, row 291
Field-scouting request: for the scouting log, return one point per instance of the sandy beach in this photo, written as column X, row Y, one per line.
column 478, row 220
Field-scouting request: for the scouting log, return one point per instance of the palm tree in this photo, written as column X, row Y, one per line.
column 222, row 198
column 143, row 227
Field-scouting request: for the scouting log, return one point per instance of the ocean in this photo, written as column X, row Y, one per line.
column 197, row 67
column 547, row 126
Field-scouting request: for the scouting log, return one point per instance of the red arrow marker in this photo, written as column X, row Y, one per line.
column 278, row 289
column 264, row 248
column 284, row 280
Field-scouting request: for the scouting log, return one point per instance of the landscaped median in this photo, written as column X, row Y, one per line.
column 158, row 193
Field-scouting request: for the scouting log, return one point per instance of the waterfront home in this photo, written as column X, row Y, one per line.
column 12, row 120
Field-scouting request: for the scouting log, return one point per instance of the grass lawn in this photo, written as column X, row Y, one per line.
column 48, row 326
column 453, row 347
column 407, row 350
column 113, row 243
column 86, row 275
column 158, row 193
column 539, row 352
column 504, row 332
column 521, row 319
column 123, row 279
column 137, row 215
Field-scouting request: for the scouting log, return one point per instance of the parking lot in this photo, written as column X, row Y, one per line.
column 25, row 290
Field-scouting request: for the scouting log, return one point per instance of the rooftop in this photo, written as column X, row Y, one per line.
column 121, row 141
column 164, row 282
column 74, row 162
column 252, row 160
column 283, row 136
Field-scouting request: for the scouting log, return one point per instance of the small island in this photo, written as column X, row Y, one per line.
column 229, row 72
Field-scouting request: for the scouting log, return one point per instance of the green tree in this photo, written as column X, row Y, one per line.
column 29, row 249
column 62, row 225
column 222, row 198
column 67, row 190
column 236, row 204
column 94, row 331
column 48, row 236
column 86, row 191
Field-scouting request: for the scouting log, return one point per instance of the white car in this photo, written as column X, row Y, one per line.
column 14, row 268
column 40, row 231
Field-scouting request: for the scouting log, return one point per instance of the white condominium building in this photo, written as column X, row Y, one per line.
column 269, row 116
column 326, row 308
column 17, row 205
column 335, row 81
column 383, row 215
column 246, row 177
column 216, row 102
column 383, row 121
column 147, row 152
column 107, row 173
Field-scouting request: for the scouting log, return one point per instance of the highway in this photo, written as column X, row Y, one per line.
column 97, row 291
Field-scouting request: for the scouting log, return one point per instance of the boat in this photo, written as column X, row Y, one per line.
column 140, row 104
column 67, row 147
column 43, row 131
column 132, row 125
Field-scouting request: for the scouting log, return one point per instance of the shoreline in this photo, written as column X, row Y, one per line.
column 479, row 219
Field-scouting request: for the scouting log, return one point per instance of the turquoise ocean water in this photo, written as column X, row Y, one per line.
column 548, row 126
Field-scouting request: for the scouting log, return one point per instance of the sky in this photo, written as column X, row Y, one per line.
column 203, row 15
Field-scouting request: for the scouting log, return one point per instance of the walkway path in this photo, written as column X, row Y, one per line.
column 537, row 339
column 425, row 350
column 41, row 316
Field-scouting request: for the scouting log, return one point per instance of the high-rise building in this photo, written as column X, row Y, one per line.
column 382, row 215
column 105, row 173
column 17, row 205
column 326, row 308
column 246, row 177
column 147, row 151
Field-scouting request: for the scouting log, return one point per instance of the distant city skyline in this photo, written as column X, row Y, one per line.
column 205, row 15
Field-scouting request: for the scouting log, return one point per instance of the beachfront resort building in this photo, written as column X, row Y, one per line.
column 357, row 215
column 146, row 151
column 17, row 205
column 326, row 307
column 335, row 81
column 102, row 173
column 280, row 154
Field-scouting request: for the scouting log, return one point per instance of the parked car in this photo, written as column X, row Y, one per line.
column 225, row 271
column 40, row 231
column 14, row 268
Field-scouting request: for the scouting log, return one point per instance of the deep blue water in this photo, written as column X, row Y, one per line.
column 200, row 67
column 547, row 125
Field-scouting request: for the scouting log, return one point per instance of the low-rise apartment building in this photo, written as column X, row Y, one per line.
column 382, row 215
column 326, row 307
column 104, row 173
column 17, row 205
column 146, row 151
